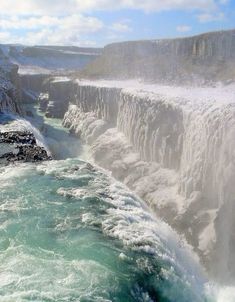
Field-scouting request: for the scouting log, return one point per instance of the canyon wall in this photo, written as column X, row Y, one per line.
column 201, row 59
column 34, row 82
column 175, row 148
column 47, row 59
column 19, row 140
column 60, row 91
column 10, row 93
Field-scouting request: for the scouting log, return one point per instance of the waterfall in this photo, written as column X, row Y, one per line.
column 175, row 147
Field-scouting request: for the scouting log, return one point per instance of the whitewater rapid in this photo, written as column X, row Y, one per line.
column 71, row 232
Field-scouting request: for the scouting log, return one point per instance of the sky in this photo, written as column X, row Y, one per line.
column 96, row 23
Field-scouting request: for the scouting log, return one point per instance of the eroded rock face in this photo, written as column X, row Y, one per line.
column 20, row 146
column 174, row 147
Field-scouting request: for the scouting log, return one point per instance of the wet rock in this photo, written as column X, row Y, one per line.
column 17, row 137
column 26, row 153
column 20, row 146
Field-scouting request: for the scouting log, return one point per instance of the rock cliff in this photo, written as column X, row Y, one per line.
column 18, row 141
column 10, row 94
column 174, row 147
column 201, row 59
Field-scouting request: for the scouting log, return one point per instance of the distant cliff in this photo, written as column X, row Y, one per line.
column 201, row 59
column 47, row 59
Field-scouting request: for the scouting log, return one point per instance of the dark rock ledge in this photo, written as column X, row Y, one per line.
column 20, row 146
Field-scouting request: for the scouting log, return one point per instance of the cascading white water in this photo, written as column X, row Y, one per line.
column 175, row 147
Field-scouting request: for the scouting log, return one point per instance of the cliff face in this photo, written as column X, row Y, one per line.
column 19, row 140
column 34, row 82
column 200, row 59
column 38, row 65
column 60, row 91
column 47, row 59
column 10, row 94
column 175, row 152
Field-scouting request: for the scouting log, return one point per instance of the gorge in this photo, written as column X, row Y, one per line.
column 169, row 141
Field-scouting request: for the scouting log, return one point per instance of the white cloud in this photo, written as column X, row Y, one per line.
column 51, row 30
column 68, row 21
column 208, row 17
column 52, row 7
column 159, row 5
column 76, row 21
column 224, row 2
column 46, row 37
column 183, row 28
column 16, row 22
column 4, row 36
column 122, row 26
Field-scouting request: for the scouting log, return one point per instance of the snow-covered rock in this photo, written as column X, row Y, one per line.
column 175, row 147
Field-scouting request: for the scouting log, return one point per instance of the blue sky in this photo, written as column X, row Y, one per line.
column 97, row 23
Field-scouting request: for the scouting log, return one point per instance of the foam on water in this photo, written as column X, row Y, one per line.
column 86, row 237
column 71, row 233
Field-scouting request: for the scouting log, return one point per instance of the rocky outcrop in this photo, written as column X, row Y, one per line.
column 174, row 148
column 201, row 59
column 17, row 146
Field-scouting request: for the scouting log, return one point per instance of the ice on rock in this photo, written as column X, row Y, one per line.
column 175, row 147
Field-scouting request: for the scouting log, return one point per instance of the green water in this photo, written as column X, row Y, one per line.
column 69, row 232
column 58, row 140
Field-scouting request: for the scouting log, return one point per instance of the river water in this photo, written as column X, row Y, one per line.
column 69, row 232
